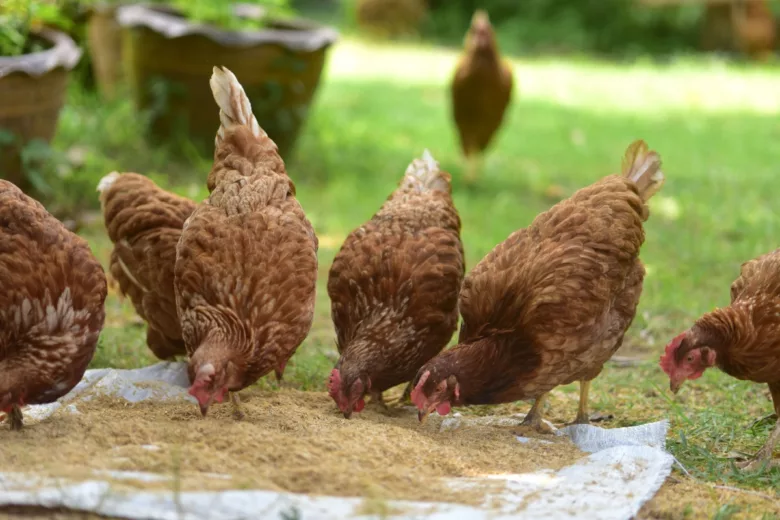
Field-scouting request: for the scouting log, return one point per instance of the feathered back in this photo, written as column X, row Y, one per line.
column 424, row 174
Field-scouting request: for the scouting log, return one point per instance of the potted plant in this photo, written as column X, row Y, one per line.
column 171, row 50
column 35, row 62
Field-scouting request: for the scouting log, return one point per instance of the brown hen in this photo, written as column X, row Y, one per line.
column 246, row 263
column 743, row 340
column 51, row 305
column 481, row 92
column 550, row 304
column 394, row 288
column 144, row 222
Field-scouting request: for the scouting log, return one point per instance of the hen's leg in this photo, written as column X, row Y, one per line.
column 473, row 167
column 406, row 397
column 764, row 455
column 238, row 413
column 582, row 411
column 535, row 418
column 15, row 418
column 376, row 399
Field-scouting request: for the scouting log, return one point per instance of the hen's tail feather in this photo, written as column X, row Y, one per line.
column 643, row 166
column 424, row 174
column 105, row 183
column 234, row 106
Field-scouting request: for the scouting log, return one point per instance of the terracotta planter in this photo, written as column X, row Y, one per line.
column 104, row 39
column 169, row 61
column 32, row 92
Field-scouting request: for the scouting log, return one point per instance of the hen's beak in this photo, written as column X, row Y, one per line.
column 422, row 415
column 675, row 384
column 348, row 414
column 204, row 407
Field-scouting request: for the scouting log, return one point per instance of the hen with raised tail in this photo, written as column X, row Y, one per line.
column 246, row 264
column 551, row 304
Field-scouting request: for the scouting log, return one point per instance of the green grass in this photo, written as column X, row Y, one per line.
column 715, row 125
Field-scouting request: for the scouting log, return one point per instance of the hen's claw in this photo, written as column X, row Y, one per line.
column 377, row 400
column 238, row 413
column 764, row 455
column 535, row 419
column 15, row 418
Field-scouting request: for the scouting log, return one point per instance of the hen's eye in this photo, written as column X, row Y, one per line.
column 690, row 358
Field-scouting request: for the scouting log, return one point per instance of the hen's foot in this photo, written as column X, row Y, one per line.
column 764, row 455
column 537, row 425
column 238, row 413
column 771, row 418
column 535, row 419
column 580, row 419
column 405, row 399
column 15, row 418
column 378, row 402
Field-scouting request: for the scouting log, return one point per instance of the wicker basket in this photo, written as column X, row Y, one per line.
column 169, row 62
column 32, row 92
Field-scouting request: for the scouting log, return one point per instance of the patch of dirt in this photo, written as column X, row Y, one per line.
column 686, row 498
column 289, row 441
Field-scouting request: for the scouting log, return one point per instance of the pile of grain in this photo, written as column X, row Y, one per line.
column 289, row 441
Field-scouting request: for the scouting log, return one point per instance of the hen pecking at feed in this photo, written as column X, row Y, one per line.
column 742, row 340
column 51, row 305
column 246, row 264
column 394, row 288
column 550, row 304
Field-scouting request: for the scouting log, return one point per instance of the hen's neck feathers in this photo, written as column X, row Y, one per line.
column 726, row 329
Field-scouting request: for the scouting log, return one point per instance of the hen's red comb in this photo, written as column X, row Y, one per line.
column 667, row 360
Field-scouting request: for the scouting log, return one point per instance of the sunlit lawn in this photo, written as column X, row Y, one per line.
column 715, row 125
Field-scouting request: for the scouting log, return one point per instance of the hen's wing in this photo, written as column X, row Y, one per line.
column 51, row 305
column 757, row 289
column 758, row 275
column 145, row 223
